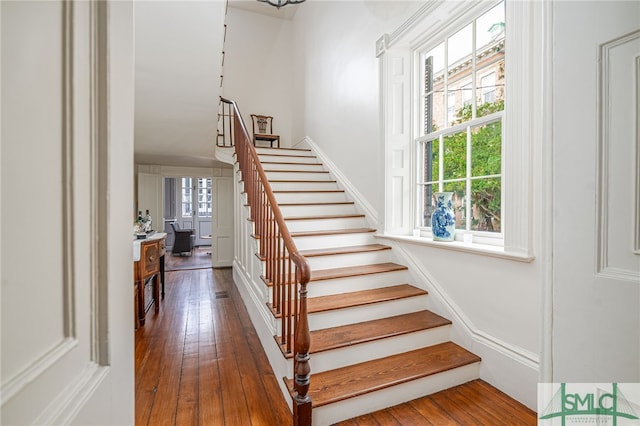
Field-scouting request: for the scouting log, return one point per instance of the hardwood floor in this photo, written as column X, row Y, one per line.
column 199, row 362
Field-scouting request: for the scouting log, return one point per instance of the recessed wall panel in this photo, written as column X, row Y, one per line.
column 618, row 215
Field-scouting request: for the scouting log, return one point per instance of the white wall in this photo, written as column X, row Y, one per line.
column 592, row 324
column 496, row 302
column 258, row 72
column 336, row 96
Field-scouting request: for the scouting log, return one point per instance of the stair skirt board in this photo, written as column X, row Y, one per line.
column 385, row 398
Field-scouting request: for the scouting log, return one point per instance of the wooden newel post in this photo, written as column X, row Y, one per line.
column 302, row 369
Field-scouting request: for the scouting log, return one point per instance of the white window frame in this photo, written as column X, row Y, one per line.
column 525, row 104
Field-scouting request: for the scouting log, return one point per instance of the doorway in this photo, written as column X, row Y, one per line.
column 188, row 201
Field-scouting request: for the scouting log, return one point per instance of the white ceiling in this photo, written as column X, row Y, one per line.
column 178, row 47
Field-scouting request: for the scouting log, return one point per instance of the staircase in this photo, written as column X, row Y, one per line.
column 373, row 343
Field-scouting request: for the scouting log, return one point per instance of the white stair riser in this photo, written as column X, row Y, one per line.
column 310, row 197
column 281, row 151
column 394, row 395
column 345, row 260
column 287, row 158
column 287, row 166
column 303, row 186
column 351, row 259
column 338, row 358
column 330, row 241
column 292, row 175
column 325, row 224
column 370, row 312
column 360, row 282
column 316, row 209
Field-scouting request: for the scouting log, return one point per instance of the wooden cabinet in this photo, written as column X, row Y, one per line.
column 149, row 267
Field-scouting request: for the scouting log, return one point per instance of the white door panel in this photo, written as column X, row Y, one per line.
column 67, row 354
column 222, row 221
column 596, row 283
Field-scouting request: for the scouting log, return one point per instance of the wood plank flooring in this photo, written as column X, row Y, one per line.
column 199, row 362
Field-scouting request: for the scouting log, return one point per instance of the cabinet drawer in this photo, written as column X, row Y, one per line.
column 149, row 258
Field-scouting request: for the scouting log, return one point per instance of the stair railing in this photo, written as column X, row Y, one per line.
column 286, row 270
column 225, row 125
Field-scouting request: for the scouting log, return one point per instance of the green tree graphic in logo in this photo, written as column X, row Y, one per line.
column 613, row 404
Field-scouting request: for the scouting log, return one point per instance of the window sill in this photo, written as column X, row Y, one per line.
column 473, row 248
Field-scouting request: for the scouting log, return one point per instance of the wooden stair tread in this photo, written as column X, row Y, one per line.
column 297, row 171
column 344, row 250
column 283, row 148
column 286, row 155
column 332, row 232
column 347, row 382
column 328, row 203
column 353, row 271
column 305, row 191
column 291, row 163
column 362, row 297
column 300, row 181
column 368, row 331
column 353, row 334
column 333, row 216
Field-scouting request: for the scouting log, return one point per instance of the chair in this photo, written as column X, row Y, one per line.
column 184, row 240
column 264, row 124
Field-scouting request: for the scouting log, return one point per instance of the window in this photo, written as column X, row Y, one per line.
column 204, row 197
column 187, row 207
column 420, row 143
column 459, row 146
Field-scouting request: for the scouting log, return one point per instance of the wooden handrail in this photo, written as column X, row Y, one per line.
column 286, row 270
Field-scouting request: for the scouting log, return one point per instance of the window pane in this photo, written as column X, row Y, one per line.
column 455, row 156
column 452, row 107
column 426, row 204
column 458, row 201
column 485, row 196
column 204, row 197
column 486, row 149
column 490, row 27
column 459, row 48
column 186, row 197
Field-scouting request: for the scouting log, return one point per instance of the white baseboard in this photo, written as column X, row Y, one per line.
column 508, row 367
